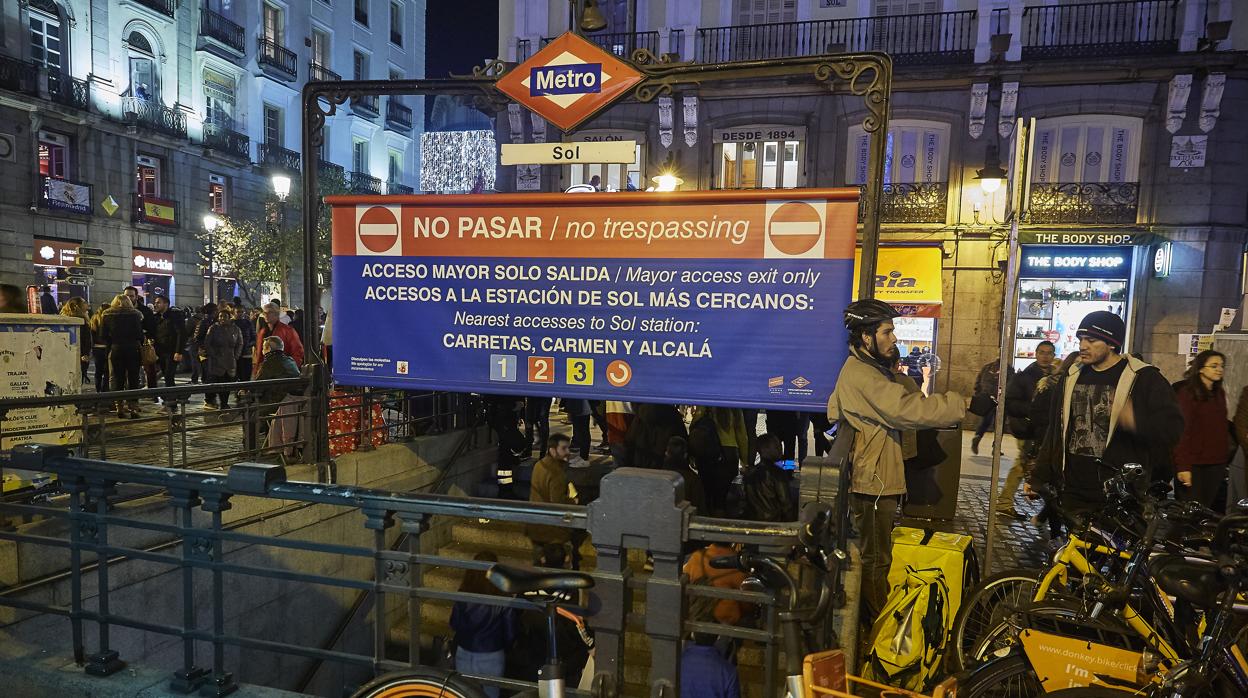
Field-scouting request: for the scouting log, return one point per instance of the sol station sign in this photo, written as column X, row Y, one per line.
column 568, row 81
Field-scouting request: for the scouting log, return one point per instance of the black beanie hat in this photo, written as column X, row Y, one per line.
column 1105, row 326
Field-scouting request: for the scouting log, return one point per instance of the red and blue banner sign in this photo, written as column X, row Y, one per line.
column 714, row 298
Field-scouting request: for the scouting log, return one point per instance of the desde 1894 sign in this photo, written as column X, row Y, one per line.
column 716, row 298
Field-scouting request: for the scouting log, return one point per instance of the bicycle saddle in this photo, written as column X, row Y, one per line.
column 1194, row 581
column 524, row 580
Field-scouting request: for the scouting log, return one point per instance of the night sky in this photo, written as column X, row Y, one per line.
column 460, row 34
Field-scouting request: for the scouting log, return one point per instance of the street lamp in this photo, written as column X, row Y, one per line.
column 666, row 181
column 281, row 187
column 211, row 223
column 992, row 175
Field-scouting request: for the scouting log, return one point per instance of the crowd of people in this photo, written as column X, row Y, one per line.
column 135, row 341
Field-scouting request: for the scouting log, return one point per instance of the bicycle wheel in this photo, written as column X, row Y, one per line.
column 1003, row 635
column 985, row 607
column 1007, row 677
column 421, row 682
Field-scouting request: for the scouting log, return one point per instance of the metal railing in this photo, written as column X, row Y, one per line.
column 397, row 188
column 279, row 157
column 366, row 105
column 1094, row 203
column 78, row 199
column 279, row 57
column 941, row 37
column 922, row 202
column 215, row 25
column 636, row 508
column 398, row 115
column 524, row 49
column 326, row 170
column 621, row 44
column 227, row 140
column 319, row 73
column 164, row 7
column 1128, row 28
column 18, row 76
column 364, row 183
column 68, row 90
column 150, row 113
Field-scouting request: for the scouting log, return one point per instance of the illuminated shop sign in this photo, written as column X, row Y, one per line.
column 1071, row 262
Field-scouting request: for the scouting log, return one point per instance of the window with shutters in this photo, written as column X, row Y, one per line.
column 274, row 24
column 272, row 125
column 359, row 66
column 144, row 78
column 147, row 175
column 394, row 167
column 218, row 193
column 320, row 48
column 53, row 155
column 359, row 155
column 765, row 11
column 396, row 24
column 1086, row 170
column 45, row 40
column 916, row 169
column 1087, row 149
column 219, row 98
column 756, row 163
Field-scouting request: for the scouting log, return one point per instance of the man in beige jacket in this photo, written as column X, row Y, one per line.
column 870, row 399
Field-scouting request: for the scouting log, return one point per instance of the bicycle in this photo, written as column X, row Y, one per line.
column 979, row 625
column 1141, row 621
column 811, row 672
column 1220, row 668
column 428, row 682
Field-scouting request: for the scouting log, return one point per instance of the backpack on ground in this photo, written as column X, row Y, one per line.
column 952, row 553
column 907, row 641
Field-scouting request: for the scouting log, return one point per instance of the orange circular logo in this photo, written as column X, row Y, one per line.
column 619, row 373
column 795, row 228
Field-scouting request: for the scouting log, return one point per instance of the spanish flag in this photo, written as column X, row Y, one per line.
column 159, row 211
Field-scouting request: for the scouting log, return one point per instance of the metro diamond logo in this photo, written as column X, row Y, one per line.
column 568, row 81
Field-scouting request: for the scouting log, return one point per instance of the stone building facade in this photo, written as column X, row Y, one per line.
column 1140, row 143
column 124, row 122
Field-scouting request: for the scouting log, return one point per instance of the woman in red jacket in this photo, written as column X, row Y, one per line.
column 1200, row 457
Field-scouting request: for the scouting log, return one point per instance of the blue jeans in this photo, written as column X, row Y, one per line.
column 481, row 664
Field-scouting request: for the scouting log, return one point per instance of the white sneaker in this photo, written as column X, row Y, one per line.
column 577, row 462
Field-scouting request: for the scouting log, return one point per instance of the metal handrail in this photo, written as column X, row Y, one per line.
column 1124, row 27
column 274, row 54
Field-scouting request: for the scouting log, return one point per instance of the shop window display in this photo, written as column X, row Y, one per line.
column 1050, row 309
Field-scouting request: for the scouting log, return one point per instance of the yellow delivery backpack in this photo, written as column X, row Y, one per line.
column 953, row 554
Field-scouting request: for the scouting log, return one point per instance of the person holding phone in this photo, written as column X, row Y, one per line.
column 869, row 398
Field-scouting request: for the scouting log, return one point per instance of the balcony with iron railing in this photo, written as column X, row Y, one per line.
column 1085, row 203
column 56, row 194
column 164, row 7
column 215, row 26
column 281, row 59
column 277, row 157
column 327, row 170
column 398, row 115
column 396, row 188
column 62, row 88
column 621, row 44
column 364, row 183
column 1131, row 28
column 149, row 113
column 222, row 138
column 366, row 105
column 319, row 73
column 912, row 203
column 941, row 37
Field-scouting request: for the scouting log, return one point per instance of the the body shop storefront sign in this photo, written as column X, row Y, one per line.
column 152, row 273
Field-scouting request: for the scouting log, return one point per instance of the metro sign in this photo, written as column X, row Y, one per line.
column 568, row 81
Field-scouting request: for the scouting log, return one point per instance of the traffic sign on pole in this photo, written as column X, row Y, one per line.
column 81, row 271
column 91, row 261
column 91, row 251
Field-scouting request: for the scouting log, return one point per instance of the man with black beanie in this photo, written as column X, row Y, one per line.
column 1111, row 410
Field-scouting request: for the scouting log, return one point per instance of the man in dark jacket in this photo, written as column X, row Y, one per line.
column 248, row 330
column 768, row 492
column 1018, row 394
column 166, row 327
column 1109, row 410
column 986, row 384
column 132, row 292
column 276, row 364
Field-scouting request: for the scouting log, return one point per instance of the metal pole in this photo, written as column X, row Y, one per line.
column 212, row 263
column 318, row 406
column 874, row 190
column 1020, row 176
